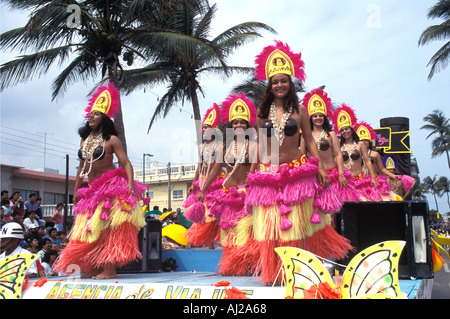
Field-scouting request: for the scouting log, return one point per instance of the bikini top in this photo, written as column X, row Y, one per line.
column 324, row 145
column 98, row 152
column 290, row 129
column 355, row 155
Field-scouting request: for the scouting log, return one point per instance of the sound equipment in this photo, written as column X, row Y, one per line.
column 399, row 142
column 150, row 245
column 369, row 223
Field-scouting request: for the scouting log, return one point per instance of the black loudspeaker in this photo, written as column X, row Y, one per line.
column 368, row 223
column 399, row 141
column 150, row 245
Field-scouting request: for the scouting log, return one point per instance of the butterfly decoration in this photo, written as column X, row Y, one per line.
column 12, row 274
column 371, row 274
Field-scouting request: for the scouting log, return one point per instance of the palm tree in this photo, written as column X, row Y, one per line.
column 438, row 124
column 184, row 52
column 418, row 190
column 431, row 186
column 94, row 44
column 441, row 58
column 444, row 187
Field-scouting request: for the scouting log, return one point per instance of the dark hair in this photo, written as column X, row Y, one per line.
column 5, row 201
column 59, row 204
column 5, row 192
column 326, row 124
column 108, row 128
column 42, row 242
column 48, row 253
column 354, row 136
column 268, row 98
column 31, row 195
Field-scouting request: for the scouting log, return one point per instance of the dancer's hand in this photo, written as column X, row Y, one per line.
column 323, row 178
column 130, row 186
column 343, row 181
column 191, row 189
column 374, row 183
column 200, row 196
column 76, row 198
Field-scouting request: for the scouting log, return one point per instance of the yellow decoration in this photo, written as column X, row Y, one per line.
column 211, row 118
column 390, row 164
column 363, row 133
column 372, row 273
column 102, row 103
column 344, row 120
column 12, row 274
column 317, row 105
column 175, row 232
column 239, row 110
column 279, row 62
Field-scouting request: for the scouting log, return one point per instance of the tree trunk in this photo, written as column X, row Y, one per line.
column 197, row 116
column 118, row 121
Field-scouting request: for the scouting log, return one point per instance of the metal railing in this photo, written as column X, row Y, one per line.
column 49, row 210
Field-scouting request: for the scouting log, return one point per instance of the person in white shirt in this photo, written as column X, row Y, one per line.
column 10, row 236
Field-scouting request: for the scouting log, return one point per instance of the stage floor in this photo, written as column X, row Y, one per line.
column 173, row 285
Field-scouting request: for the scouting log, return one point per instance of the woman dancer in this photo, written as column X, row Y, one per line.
column 238, row 256
column 352, row 151
column 108, row 213
column 401, row 185
column 282, row 191
column 367, row 135
column 319, row 108
column 207, row 180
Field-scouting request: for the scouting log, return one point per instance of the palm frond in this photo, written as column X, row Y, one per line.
column 28, row 66
column 440, row 60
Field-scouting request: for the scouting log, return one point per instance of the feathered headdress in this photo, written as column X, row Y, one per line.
column 279, row 58
column 365, row 131
column 212, row 116
column 106, row 99
column 317, row 101
column 343, row 116
column 238, row 106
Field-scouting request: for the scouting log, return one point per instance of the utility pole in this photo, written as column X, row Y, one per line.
column 45, row 145
column 168, row 176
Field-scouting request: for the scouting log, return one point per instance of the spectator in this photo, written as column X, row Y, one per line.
column 30, row 219
column 34, row 243
column 42, row 233
column 61, row 237
column 39, row 216
column 7, row 211
column 44, row 245
column 17, row 203
column 58, row 217
column 3, row 221
column 32, row 233
column 155, row 213
column 53, row 235
column 5, row 195
column 47, row 262
column 17, row 218
column 10, row 237
column 30, row 204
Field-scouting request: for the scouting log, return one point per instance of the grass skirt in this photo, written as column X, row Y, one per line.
column 286, row 207
column 106, row 224
column 236, row 225
column 205, row 229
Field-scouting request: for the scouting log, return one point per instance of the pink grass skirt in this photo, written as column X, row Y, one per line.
column 106, row 224
column 288, row 211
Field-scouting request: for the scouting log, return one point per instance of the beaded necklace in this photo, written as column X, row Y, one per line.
column 87, row 151
column 350, row 152
column 320, row 138
column 279, row 126
column 207, row 157
column 232, row 150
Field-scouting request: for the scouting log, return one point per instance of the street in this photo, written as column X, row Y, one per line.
column 441, row 285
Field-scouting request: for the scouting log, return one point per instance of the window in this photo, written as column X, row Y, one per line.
column 151, row 195
column 177, row 194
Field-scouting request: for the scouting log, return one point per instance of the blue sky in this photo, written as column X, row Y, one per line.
column 365, row 52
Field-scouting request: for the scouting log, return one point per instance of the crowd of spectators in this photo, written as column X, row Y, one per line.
column 39, row 237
